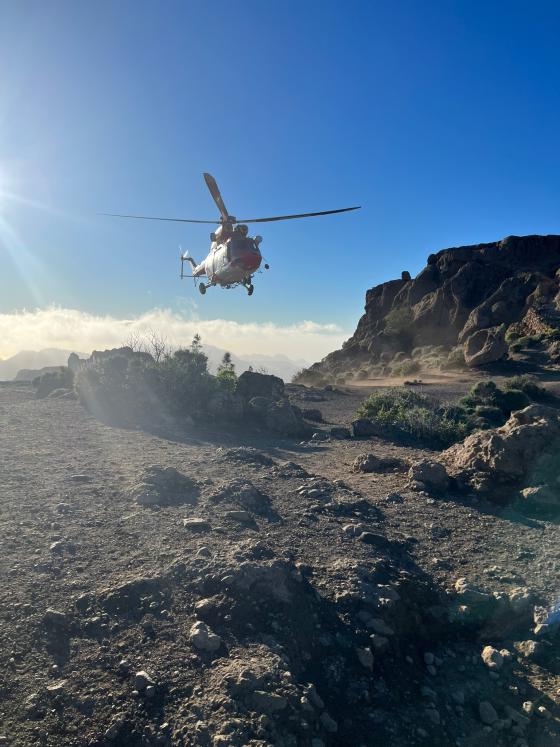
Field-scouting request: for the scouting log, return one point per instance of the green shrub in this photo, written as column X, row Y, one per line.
column 417, row 415
column 512, row 335
column 491, row 415
column 455, row 359
column 529, row 385
column 429, row 421
column 227, row 379
column 51, row 380
column 507, row 400
column 130, row 388
column 485, row 390
column 512, row 399
column 405, row 368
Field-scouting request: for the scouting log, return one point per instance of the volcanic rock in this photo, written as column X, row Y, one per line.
column 465, row 296
column 503, row 456
column 164, row 486
column 203, row 638
column 431, row 474
column 486, row 346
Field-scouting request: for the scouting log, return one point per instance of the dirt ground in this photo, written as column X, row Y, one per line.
column 97, row 588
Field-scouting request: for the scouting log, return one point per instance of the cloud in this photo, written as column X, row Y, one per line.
column 72, row 329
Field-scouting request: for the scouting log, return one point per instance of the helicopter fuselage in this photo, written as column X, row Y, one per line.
column 231, row 261
column 234, row 256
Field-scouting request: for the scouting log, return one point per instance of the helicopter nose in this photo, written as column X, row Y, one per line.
column 250, row 261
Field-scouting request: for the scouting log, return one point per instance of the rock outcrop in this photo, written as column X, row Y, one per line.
column 504, row 457
column 466, row 298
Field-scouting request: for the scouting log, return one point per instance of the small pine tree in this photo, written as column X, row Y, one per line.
column 196, row 344
column 226, row 375
column 226, row 364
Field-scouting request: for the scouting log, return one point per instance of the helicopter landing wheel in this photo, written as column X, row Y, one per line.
column 250, row 289
column 202, row 289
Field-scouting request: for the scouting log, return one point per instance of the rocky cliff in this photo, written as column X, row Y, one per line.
column 472, row 305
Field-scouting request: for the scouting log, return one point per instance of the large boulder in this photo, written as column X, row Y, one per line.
column 251, row 384
column 282, row 418
column 504, row 456
column 430, row 474
column 485, row 346
column 225, row 405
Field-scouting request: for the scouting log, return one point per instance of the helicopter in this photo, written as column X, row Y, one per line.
column 234, row 256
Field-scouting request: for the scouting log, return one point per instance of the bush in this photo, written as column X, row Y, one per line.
column 511, row 400
column 405, row 368
column 416, row 415
column 507, row 400
column 490, row 415
column 530, row 386
column 226, row 376
column 455, row 359
column 512, row 335
column 129, row 388
column 48, row 382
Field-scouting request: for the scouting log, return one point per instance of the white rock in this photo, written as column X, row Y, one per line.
column 203, row 638
column 492, row 657
column 529, row 707
column 142, row 680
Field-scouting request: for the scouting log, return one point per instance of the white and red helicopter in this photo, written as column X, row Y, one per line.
column 234, row 256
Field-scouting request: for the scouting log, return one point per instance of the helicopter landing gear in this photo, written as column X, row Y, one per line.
column 248, row 285
column 202, row 288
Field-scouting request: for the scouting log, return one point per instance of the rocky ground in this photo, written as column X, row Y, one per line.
column 188, row 588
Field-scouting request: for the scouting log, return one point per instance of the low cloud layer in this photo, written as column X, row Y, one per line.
column 72, row 329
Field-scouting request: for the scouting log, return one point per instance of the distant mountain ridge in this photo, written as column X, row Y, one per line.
column 32, row 361
column 27, row 364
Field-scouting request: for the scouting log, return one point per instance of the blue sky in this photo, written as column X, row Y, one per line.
column 440, row 118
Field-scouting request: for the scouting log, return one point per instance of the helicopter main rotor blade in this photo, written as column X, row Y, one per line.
column 151, row 217
column 298, row 215
column 215, row 192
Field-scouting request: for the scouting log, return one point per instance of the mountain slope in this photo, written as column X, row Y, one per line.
column 471, row 304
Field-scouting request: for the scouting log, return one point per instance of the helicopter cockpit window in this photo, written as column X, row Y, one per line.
column 240, row 246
